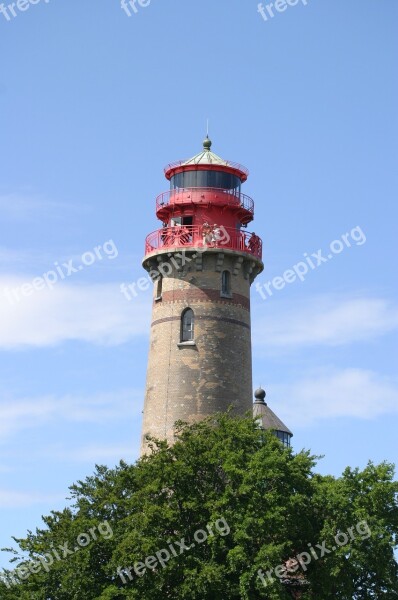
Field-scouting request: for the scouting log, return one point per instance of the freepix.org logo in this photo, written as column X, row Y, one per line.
column 59, row 553
column 302, row 560
column 173, row 550
column 61, row 272
column 9, row 11
column 130, row 6
column 300, row 270
column 268, row 11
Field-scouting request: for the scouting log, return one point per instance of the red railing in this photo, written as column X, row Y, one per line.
column 185, row 236
column 227, row 163
column 204, row 196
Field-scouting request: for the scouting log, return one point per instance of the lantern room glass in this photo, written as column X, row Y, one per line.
column 206, row 179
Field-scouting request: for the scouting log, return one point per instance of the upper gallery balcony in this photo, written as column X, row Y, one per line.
column 240, row 204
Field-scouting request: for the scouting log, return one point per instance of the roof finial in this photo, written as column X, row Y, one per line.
column 207, row 140
column 259, row 395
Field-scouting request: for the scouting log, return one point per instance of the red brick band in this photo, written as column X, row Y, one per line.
column 203, row 318
column 200, row 295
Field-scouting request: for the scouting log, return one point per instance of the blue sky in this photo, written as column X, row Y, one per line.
column 93, row 105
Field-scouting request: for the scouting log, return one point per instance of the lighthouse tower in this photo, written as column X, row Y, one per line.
column 202, row 261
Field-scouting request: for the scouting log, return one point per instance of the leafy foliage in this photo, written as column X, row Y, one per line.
column 257, row 503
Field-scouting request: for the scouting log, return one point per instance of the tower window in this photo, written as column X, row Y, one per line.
column 226, row 283
column 159, row 286
column 187, row 325
column 284, row 437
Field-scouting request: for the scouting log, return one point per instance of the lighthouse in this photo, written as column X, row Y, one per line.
column 203, row 261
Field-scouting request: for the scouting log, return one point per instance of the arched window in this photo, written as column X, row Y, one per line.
column 159, row 286
column 225, row 283
column 187, row 325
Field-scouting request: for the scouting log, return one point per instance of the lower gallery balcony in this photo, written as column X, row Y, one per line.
column 186, row 236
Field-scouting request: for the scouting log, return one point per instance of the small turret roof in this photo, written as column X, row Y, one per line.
column 268, row 418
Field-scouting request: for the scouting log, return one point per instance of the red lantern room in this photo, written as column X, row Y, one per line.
column 205, row 202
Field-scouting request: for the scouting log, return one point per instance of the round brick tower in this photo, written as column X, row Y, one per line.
column 202, row 261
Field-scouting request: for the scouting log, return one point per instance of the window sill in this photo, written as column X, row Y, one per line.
column 189, row 343
column 225, row 295
column 158, row 298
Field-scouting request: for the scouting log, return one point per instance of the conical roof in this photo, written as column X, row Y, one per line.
column 267, row 418
column 206, row 157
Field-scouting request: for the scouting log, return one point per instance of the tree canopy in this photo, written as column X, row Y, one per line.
column 226, row 513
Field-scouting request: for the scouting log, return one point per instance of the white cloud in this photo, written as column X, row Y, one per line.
column 28, row 206
column 325, row 321
column 9, row 256
column 18, row 414
column 349, row 393
column 98, row 453
column 15, row 499
column 19, row 261
column 97, row 314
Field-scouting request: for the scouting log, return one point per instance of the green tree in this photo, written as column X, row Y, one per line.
column 221, row 515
